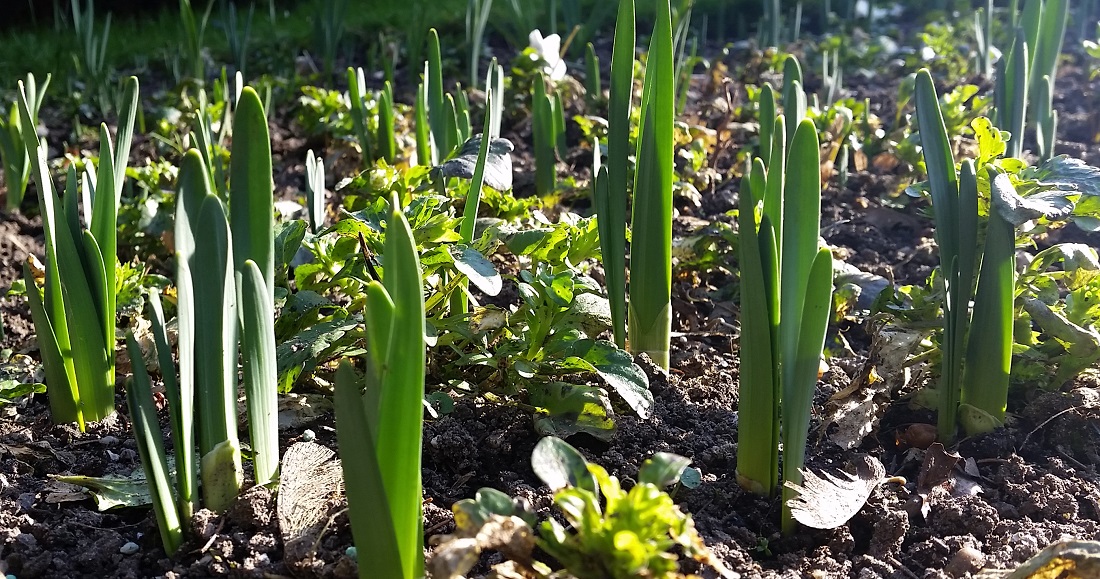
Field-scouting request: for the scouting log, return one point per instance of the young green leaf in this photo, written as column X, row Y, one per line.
column 649, row 306
column 139, row 398
column 260, row 373
column 251, row 210
column 611, row 193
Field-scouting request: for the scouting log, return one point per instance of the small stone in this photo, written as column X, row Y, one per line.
column 966, row 561
column 108, row 440
column 352, row 553
column 26, row 539
column 129, row 548
column 308, row 436
column 919, row 435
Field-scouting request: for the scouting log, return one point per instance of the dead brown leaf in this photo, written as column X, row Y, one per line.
column 828, row 501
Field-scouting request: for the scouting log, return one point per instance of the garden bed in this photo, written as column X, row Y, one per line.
column 1021, row 488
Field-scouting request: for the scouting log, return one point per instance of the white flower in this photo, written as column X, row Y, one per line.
column 877, row 13
column 548, row 50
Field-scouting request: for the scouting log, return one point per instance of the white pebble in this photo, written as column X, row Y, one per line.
column 129, row 548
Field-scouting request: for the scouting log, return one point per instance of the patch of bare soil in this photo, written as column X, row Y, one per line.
column 1037, row 481
column 19, row 239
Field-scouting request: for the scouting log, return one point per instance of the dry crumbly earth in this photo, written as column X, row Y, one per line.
column 1038, row 477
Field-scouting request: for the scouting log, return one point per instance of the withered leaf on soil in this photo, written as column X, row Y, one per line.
column 456, row 554
column 1062, row 560
column 936, row 467
column 107, row 491
column 857, row 408
column 945, row 474
column 311, row 478
column 828, row 501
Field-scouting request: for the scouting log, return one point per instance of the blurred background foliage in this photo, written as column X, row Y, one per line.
column 37, row 36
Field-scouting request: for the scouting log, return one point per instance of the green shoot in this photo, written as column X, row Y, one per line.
column 649, row 307
column 379, row 433
column 611, row 187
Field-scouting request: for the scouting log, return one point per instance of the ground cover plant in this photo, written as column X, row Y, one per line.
column 646, row 288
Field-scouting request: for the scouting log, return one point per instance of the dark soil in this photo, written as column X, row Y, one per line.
column 1037, row 478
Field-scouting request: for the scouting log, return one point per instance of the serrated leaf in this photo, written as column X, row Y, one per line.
column 288, row 238
column 561, row 289
column 498, row 164
column 482, row 273
column 991, row 142
column 592, row 312
column 572, row 408
column 1067, row 174
column 618, row 370
column 1017, row 210
column 300, row 310
column 662, row 469
column 559, row 465
column 304, row 351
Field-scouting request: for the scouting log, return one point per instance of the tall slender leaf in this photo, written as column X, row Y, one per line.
column 649, row 307
column 260, row 372
column 944, row 187
column 758, row 403
column 251, row 207
column 139, row 397
column 182, row 424
column 800, row 373
column 613, row 245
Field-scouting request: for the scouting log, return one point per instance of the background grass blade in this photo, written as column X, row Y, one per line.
column 438, row 119
column 766, row 116
column 127, row 112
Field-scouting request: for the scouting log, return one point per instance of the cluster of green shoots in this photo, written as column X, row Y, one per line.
column 225, row 263
column 74, row 313
column 649, row 308
column 786, row 293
